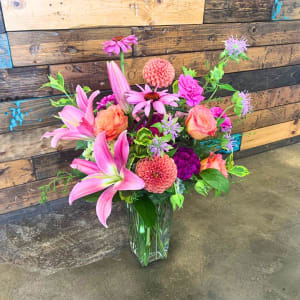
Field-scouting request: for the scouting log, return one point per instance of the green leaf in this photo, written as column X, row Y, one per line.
column 175, row 87
column 61, row 102
column 60, row 79
column 146, row 210
column 172, row 152
column 144, row 137
column 189, row 71
column 177, row 201
column 158, row 126
column 158, row 198
column 215, row 179
column 239, row 171
column 229, row 162
column 92, row 197
column 226, row 86
column 86, row 89
column 81, row 145
column 202, row 187
column 126, row 195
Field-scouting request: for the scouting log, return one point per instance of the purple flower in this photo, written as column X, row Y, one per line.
column 119, row 43
column 187, row 163
column 104, row 101
column 229, row 146
column 246, row 99
column 235, row 47
column 190, row 90
column 217, row 112
column 159, row 146
column 170, row 126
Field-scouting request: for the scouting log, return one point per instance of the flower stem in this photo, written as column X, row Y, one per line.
column 150, row 117
column 122, row 60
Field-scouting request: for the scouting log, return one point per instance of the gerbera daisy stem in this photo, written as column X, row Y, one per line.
column 122, row 61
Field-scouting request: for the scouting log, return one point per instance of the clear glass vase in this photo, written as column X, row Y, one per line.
column 150, row 244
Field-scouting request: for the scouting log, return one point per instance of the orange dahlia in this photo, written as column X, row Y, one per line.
column 158, row 72
column 158, row 173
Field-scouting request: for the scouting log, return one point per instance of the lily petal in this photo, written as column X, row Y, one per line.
column 85, row 166
column 89, row 114
column 121, row 150
column 130, row 181
column 104, row 203
column 81, row 98
column 103, row 157
column 71, row 116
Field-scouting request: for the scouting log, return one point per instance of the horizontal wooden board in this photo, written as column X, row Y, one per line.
column 48, row 165
column 267, row 117
column 16, row 172
column 5, row 58
column 2, row 27
column 28, row 194
column 24, row 144
column 68, row 14
column 223, row 11
column 61, row 46
column 286, row 10
column 23, row 83
column 24, row 114
column 270, row 134
column 157, row 40
column 94, row 74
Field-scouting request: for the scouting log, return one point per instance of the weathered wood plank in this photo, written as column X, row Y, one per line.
column 24, row 144
column 26, row 114
column 94, row 74
column 286, row 10
column 16, row 172
column 267, row 117
column 175, row 39
column 28, row 194
column 217, row 11
column 62, row 46
column 270, row 134
column 67, row 14
column 48, row 165
column 23, row 83
column 5, row 58
column 2, row 27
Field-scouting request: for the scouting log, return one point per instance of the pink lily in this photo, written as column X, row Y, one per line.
column 79, row 121
column 107, row 172
column 119, row 85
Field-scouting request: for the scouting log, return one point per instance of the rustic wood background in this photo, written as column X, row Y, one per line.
column 38, row 38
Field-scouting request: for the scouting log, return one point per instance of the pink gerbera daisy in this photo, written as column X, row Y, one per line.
column 147, row 97
column 119, row 43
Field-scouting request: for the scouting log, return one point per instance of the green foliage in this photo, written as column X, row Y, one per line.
column 215, row 179
column 229, row 162
column 189, row 71
column 177, row 201
column 237, row 101
column 146, row 210
column 239, row 171
column 144, row 137
column 227, row 87
column 202, row 187
column 175, row 87
column 81, row 144
column 62, row 177
column 62, row 102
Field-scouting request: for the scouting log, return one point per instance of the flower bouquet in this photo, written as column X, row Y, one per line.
column 149, row 145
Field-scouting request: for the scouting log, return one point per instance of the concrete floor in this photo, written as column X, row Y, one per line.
column 240, row 247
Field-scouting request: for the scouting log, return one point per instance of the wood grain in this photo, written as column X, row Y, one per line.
column 94, row 74
column 5, row 58
column 286, row 10
column 182, row 38
column 270, row 134
column 267, row 117
column 2, row 27
column 28, row 194
column 23, row 83
column 68, row 14
column 16, row 172
column 27, row 114
column 19, row 144
column 223, row 11
column 61, row 46
column 48, row 165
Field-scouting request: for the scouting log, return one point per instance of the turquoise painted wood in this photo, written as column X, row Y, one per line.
column 5, row 57
column 286, row 10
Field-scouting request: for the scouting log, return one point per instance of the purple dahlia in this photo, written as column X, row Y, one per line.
column 187, row 163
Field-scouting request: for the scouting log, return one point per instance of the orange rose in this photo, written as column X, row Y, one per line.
column 200, row 122
column 111, row 120
column 214, row 161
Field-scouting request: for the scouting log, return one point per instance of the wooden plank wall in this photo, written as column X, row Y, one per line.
column 38, row 38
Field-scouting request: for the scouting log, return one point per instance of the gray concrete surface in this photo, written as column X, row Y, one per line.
column 240, row 247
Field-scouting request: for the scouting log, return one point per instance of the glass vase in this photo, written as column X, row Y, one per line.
column 150, row 244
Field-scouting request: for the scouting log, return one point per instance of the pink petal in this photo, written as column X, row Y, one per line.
column 81, row 98
column 121, row 150
column 147, row 108
column 89, row 114
column 84, row 166
column 103, row 157
column 104, row 203
column 138, row 107
column 86, row 187
column 159, row 107
column 71, row 116
column 130, row 181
